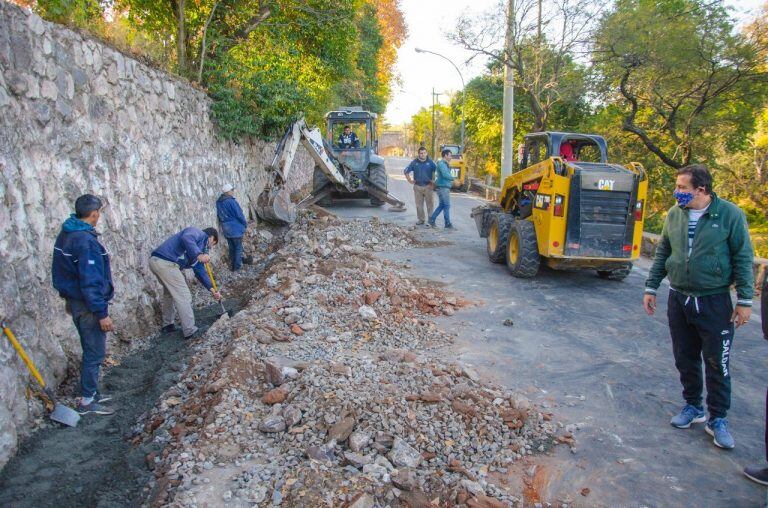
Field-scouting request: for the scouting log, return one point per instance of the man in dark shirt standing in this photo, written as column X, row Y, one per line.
column 421, row 174
column 759, row 474
column 82, row 275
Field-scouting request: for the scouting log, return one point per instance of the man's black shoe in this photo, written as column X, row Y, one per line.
column 168, row 329
column 194, row 335
column 757, row 474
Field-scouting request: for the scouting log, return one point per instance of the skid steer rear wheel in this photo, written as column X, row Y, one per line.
column 615, row 274
column 523, row 250
column 378, row 176
column 319, row 181
column 498, row 232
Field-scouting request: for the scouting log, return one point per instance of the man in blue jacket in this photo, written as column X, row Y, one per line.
column 443, row 183
column 421, row 174
column 82, row 276
column 186, row 249
column 233, row 225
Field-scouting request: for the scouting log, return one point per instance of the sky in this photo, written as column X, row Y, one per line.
column 429, row 22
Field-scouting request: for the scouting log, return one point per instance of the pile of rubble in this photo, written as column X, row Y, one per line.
column 323, row 390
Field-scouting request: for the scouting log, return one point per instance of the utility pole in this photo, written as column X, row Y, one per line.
column 538, row 32
column 434, row 132
column 508, row 132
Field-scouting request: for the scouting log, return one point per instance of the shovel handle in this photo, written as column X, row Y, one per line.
column 210, row 274
column 23, row 354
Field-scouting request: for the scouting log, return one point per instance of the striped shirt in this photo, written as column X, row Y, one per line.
column 693, row 220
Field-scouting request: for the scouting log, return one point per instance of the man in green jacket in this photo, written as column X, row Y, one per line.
column 704, row 248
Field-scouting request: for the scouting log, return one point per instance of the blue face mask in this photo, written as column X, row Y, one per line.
column 683, row 198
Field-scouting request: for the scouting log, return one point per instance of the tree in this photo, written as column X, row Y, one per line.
column 683, row 79
column 542, row 50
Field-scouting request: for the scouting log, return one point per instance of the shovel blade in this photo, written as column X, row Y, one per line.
column 65, row 415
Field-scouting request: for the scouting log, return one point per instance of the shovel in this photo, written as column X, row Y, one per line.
column 58, row 412
column 216, row 289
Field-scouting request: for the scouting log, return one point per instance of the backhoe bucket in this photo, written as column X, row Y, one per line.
column 276, row 207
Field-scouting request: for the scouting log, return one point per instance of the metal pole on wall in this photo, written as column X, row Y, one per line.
column 508, row 132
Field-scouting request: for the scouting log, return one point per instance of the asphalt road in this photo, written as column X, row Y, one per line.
column 583, row 347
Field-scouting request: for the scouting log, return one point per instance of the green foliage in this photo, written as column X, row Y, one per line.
column 74, row 12
column 265, row 62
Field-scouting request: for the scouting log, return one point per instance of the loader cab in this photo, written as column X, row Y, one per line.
column 569, row 147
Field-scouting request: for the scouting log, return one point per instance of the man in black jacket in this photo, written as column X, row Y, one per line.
column 82, row 275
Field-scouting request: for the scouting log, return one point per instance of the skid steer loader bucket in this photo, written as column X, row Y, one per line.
column 275, row 207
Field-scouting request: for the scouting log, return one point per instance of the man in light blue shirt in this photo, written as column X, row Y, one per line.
column 443, row 182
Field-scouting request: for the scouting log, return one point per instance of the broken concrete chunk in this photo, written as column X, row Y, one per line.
column 359, row 440
column 403, row 454
column 272, row 423
column 367, row 313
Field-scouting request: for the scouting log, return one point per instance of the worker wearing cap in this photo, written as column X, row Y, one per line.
column 186, row 249
column 81, row 274
column 233, row 224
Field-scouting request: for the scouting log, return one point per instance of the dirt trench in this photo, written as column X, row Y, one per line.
column 95, row 463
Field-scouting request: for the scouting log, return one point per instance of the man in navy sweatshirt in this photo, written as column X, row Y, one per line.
column 421, row 174
column 233, row 224
column 186, row 249
column 82, row 275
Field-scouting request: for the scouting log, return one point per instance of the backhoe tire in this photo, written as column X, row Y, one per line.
column 465, row 186
column 378, row 177
column 522, row 248
column 319, row 181
column 617, row 274
column 498, row 233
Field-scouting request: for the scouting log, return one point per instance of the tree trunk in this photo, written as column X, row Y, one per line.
column 181, row 38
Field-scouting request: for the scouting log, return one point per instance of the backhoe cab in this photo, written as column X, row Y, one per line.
column 458, row 166
column 360, row 156
column 568, row 207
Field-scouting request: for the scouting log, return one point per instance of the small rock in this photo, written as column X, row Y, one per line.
column 362, row 500
column 405, row 479
column 508, row 322
column 372, row 297
column 358, row 440
column 341, row 430
column 275, row 396
column 403, row 454
column 292, row 416
column 367, row 313
column 322, row 453
column 272, row 423
column 356, row 459
column 296, row 329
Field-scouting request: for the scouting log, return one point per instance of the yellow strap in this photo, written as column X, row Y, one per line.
column 23, row 354
column 210, row 274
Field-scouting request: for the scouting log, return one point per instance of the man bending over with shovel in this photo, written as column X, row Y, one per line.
column 82, row 276
column 186, row 249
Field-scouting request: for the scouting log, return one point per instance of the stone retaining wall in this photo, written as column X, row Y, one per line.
column 78, row 116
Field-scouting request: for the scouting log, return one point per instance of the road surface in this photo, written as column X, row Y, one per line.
column 584, row 348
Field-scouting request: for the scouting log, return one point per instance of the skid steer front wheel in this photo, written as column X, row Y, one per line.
column 498, row 232
column 523, row 250
column 619, row 273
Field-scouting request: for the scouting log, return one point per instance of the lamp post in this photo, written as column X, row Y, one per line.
column 463, row 87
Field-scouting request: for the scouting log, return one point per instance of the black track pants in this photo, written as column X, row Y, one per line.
column 702, row 327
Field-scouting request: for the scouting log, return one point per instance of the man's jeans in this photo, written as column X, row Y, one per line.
column 235, row 252
column 444, row 195
column 94, row 344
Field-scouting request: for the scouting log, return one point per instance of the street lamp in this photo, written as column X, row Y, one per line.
column 463, row 87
